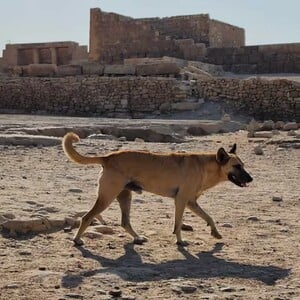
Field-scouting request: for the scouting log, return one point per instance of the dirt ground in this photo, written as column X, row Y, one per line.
column 258, row 257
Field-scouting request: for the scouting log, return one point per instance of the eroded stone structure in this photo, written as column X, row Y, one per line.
column 56, row 53
column 114, row 37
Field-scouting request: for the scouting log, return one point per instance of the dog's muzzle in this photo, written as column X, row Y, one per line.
column 240, row 180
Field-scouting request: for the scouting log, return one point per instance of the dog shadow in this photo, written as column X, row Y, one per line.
column 130, row 267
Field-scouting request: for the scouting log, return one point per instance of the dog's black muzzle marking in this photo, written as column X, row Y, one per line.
column 239, row 177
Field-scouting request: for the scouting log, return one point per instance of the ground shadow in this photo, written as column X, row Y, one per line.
column 130, row 267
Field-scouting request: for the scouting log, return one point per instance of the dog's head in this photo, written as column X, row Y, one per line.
column 232, row 167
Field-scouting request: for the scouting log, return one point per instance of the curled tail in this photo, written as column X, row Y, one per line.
column 69, row 150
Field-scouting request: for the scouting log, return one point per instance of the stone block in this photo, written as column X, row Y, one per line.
column 69, row 70
column 157, row 69
column 42, row 70
column 92, row 69
column 119, row 69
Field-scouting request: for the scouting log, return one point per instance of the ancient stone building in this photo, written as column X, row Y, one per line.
column 114, row 37
column 57, row 53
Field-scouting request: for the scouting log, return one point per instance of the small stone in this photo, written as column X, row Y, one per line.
column 57, row 286
column 75, row 190
column 279, row 125
column 226, row 225
column 12, row 286
column 267, row 125
column 74, row 296
column 176, row 289
column 188, row 289
column 68, row 229
column 258, row 150
column 101, row 292
column 292, row 133
column 253, row 218
column 122, row 139
column 10, row 216
column 115, row 292
column 103, row 229
column 277, row 199
column 263, row 134
column 139, row 140
column 290, row 126
column 227, row 289
column 92, row 235
column 25, row 252
column 30, row 202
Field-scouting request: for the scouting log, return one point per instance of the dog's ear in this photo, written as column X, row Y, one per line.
column 233, row 149
column 222, row 156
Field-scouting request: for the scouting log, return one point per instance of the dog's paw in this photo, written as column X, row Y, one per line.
column 78, row 242
column 216, row 234
column 182, row 243
column 186, row 227
column 139, row 240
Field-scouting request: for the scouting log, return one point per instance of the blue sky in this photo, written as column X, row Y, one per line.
column 26, row 21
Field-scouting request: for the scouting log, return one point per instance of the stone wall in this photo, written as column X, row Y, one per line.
column 114, row 37
column 58, row 53
column 88, row 96
column 260, row 98
column 277, row 58
column 225, row 35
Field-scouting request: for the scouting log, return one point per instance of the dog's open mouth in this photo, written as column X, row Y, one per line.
column 234, row 179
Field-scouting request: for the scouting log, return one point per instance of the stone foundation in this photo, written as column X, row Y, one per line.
column 88, row 96
column 260, row 98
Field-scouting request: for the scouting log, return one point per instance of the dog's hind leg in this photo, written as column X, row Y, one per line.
column 110, row 185
column 194, row 207
column 124, row 199
column 180, row 204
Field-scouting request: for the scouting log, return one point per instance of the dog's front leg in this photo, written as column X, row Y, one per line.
column 194, row 207
column 180, row 204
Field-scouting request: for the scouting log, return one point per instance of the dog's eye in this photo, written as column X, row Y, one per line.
column 239, row 167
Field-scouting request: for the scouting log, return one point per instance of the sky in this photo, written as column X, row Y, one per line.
column 31, row 21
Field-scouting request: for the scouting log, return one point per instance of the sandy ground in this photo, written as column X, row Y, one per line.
column 258, row 257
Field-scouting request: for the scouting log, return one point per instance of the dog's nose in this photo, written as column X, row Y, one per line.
column 250, row 179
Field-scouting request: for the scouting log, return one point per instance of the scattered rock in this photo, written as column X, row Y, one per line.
column 279, row 125
column 75, row 190
column 103, row 229
column 253, row 218
column 30, row 202
column 101, row 136
column 227, row 289
column 267, row 125
column 227, row 225
column 263, row 134
column 92, row 235
column 188, row 289
column 116, row 292
column 292, row 133
column 28, row 140
column 12, row 286
column 9, row 216
column 74, row 296
column 277, row 198
column 290, row 126
column 122, row 139
column 25, row 252
column 258, row 150
column 139, row 140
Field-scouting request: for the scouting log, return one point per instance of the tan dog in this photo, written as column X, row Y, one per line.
column 181, row 176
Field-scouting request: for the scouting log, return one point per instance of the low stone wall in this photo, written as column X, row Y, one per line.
column 260, row 98
column 87, row 96
column 274, row 58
